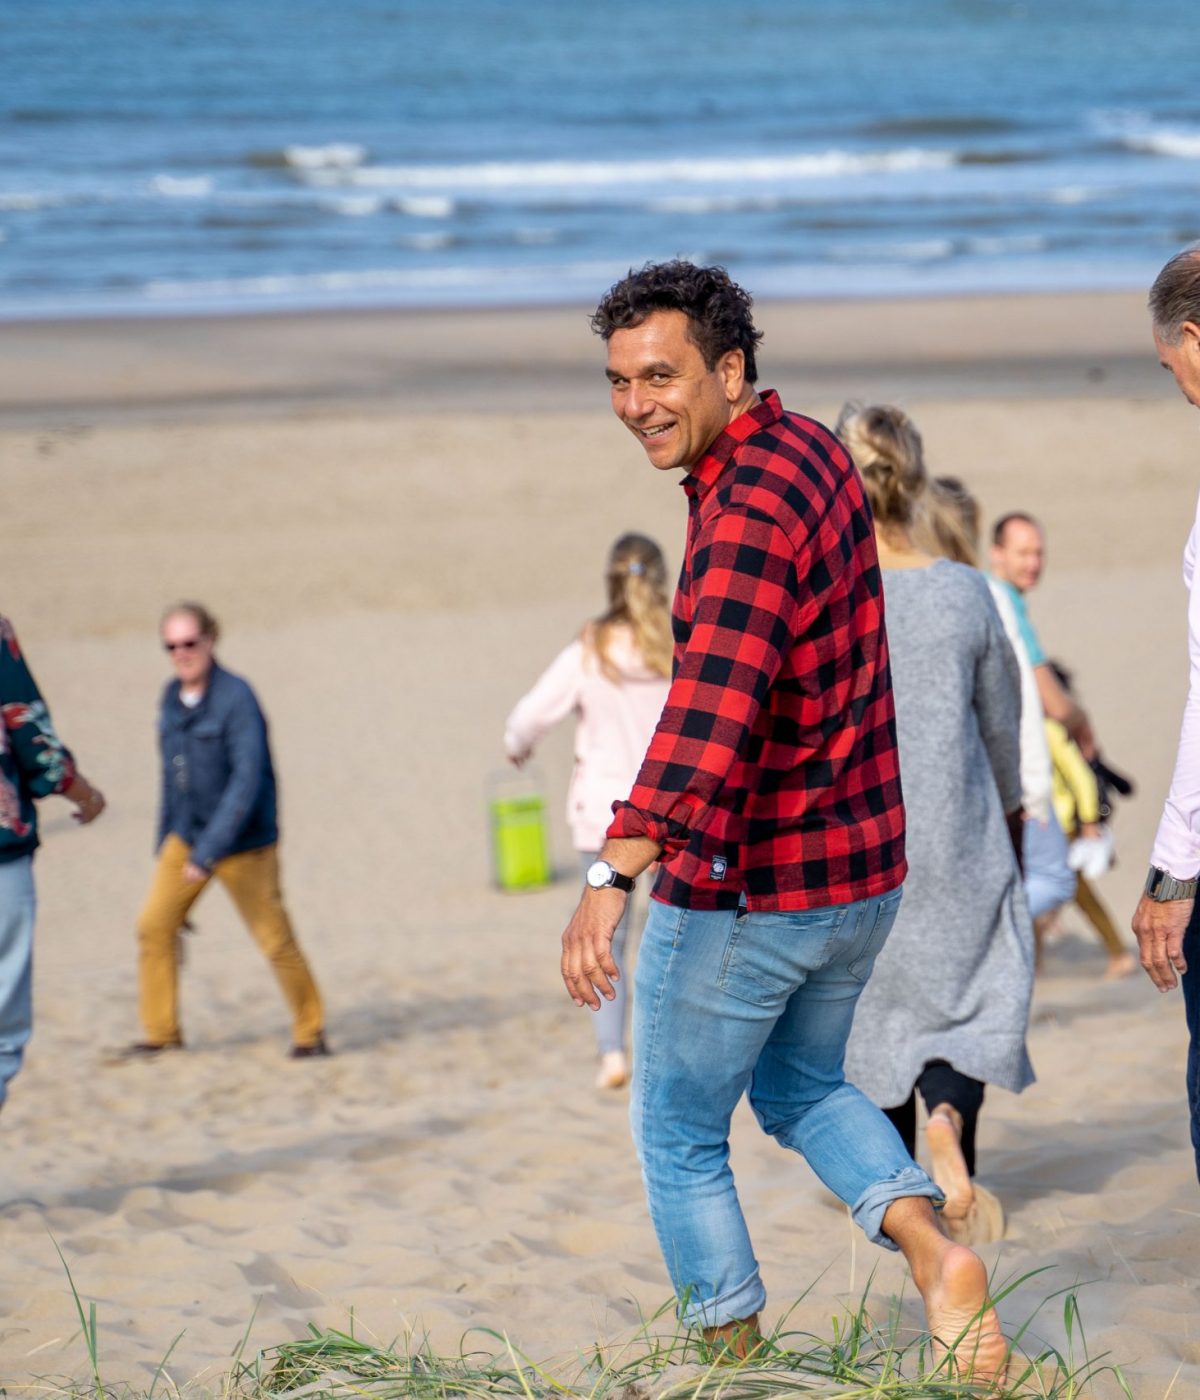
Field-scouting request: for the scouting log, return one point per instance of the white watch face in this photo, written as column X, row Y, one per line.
column 599, row 874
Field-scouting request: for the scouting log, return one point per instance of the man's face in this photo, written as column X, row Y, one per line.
column 665, row 394
column 1020, row 555
column 1183, row 360
column 189, row 649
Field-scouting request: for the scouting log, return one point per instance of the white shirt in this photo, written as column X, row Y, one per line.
column 1037, row 779
column 1177, row 845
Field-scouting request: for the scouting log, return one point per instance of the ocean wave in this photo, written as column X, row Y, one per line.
column 354, row 206
column 998, row 246
column 433, row 206
column 555, row 174
column 715, row 204
column 911, row 250
column 338, row 155
column 427, row 242
column 182, row 186
column 1140, row 132
column 938, row 124
column 25, row 201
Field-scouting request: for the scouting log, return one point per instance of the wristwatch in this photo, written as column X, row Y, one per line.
column 1162, row 887
column 600, row 875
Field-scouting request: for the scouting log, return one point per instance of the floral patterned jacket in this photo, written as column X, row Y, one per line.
column 33, row 760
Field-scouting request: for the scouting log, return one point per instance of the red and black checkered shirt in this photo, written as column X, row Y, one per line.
column 774, row 772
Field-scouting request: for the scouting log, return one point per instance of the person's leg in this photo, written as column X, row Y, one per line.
column 1049, row 880
column 1191, row 1004
column 904, row 1119
column 252, row 879
column 693, row 1052
column 942, row 1086
column 166, row 907
column 800, row 1097
column 1121, row 961
column 798, row 1090
column 18, row 907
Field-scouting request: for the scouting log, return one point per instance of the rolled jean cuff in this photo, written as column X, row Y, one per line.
column 870, row 1208
column 744, row 1300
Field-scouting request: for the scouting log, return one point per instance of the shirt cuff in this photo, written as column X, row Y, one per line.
column 671, row 832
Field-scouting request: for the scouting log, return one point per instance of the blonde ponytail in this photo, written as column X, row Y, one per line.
column 637, row 598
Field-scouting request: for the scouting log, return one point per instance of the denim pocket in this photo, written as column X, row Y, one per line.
column 769, row 955
column 874, row 936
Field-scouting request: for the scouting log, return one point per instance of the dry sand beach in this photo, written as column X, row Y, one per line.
column 399, row 519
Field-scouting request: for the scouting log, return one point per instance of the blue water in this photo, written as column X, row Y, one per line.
column 203, row 154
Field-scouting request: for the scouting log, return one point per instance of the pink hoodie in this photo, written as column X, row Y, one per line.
column 615, row 724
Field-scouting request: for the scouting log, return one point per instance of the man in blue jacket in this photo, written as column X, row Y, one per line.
column 217, row 817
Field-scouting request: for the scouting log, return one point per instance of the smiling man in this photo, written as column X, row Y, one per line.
column 771, row 796
column 1166, row 922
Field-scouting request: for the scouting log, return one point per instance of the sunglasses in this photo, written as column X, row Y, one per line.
column 190, row 645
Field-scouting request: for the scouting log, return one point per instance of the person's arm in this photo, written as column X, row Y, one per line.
column 554, row 695
column 1160, row 926
column 46, row 764
column 1060, row 706
column 746, row 615
column 245, row 734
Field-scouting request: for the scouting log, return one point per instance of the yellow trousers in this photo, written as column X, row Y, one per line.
column 252, row 879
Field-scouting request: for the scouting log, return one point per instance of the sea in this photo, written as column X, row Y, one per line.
column 216, row 155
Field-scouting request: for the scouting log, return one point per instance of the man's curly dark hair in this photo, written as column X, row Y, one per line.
column 718, row 310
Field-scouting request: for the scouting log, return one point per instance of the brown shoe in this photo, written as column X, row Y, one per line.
column 147, row 1049
column 308, row 1052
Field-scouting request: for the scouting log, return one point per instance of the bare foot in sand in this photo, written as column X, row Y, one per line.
column 962, row 1320
column 952, row 1282
column 943, row 1133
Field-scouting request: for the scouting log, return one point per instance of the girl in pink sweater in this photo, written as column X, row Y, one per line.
column 614, row 678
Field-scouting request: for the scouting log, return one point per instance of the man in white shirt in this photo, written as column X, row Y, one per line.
column 1165, row 922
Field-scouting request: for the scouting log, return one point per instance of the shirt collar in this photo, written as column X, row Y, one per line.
column 704, row 474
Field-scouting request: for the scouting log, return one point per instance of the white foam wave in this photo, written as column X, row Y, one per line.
column 713, row 204
column 338, row 155
column 354, row 206
column 999, row 245
column 431, row 206
column 534, row 237
column 914, row 250
column 565, row 174
column 182, row 186
column 1138, row 131
column 21, row 201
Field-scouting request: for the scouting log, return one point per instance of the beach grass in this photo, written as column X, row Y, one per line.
column 866, row 1353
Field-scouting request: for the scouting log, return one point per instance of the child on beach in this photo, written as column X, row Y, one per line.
column 614, row 678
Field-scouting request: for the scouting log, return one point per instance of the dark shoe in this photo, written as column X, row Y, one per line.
column 146, row 1049
column 308, row 1052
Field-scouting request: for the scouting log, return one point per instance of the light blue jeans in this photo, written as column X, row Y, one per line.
column 18, row 905
column 731, row 1002
column 609, row 1021
column 1049, row 880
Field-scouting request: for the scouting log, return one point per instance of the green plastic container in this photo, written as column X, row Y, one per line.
column 520, row 845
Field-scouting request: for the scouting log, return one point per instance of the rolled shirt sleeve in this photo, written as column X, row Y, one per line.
column 1177, row 844
column 43, row 760
column 744, row 600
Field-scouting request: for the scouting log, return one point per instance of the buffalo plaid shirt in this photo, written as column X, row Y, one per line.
column 773, row 775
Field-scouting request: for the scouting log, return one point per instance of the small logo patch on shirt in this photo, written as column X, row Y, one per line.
column 717, row 868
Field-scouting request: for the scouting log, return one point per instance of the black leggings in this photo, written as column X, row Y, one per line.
column 939, row 1082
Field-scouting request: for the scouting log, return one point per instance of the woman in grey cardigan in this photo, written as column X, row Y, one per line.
column 946, row 1008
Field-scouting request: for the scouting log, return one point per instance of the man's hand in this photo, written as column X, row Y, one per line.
column 1160, row 927
column 194, row 874
column 587, row 961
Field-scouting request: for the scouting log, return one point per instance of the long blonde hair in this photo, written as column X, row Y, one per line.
column 637, row 599
column 948, row 522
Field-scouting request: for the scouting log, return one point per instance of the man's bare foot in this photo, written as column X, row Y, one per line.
column 734, row 1341
column 943, row 1133
column 961, row 1319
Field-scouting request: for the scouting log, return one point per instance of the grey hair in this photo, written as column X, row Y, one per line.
column 1175, row 296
